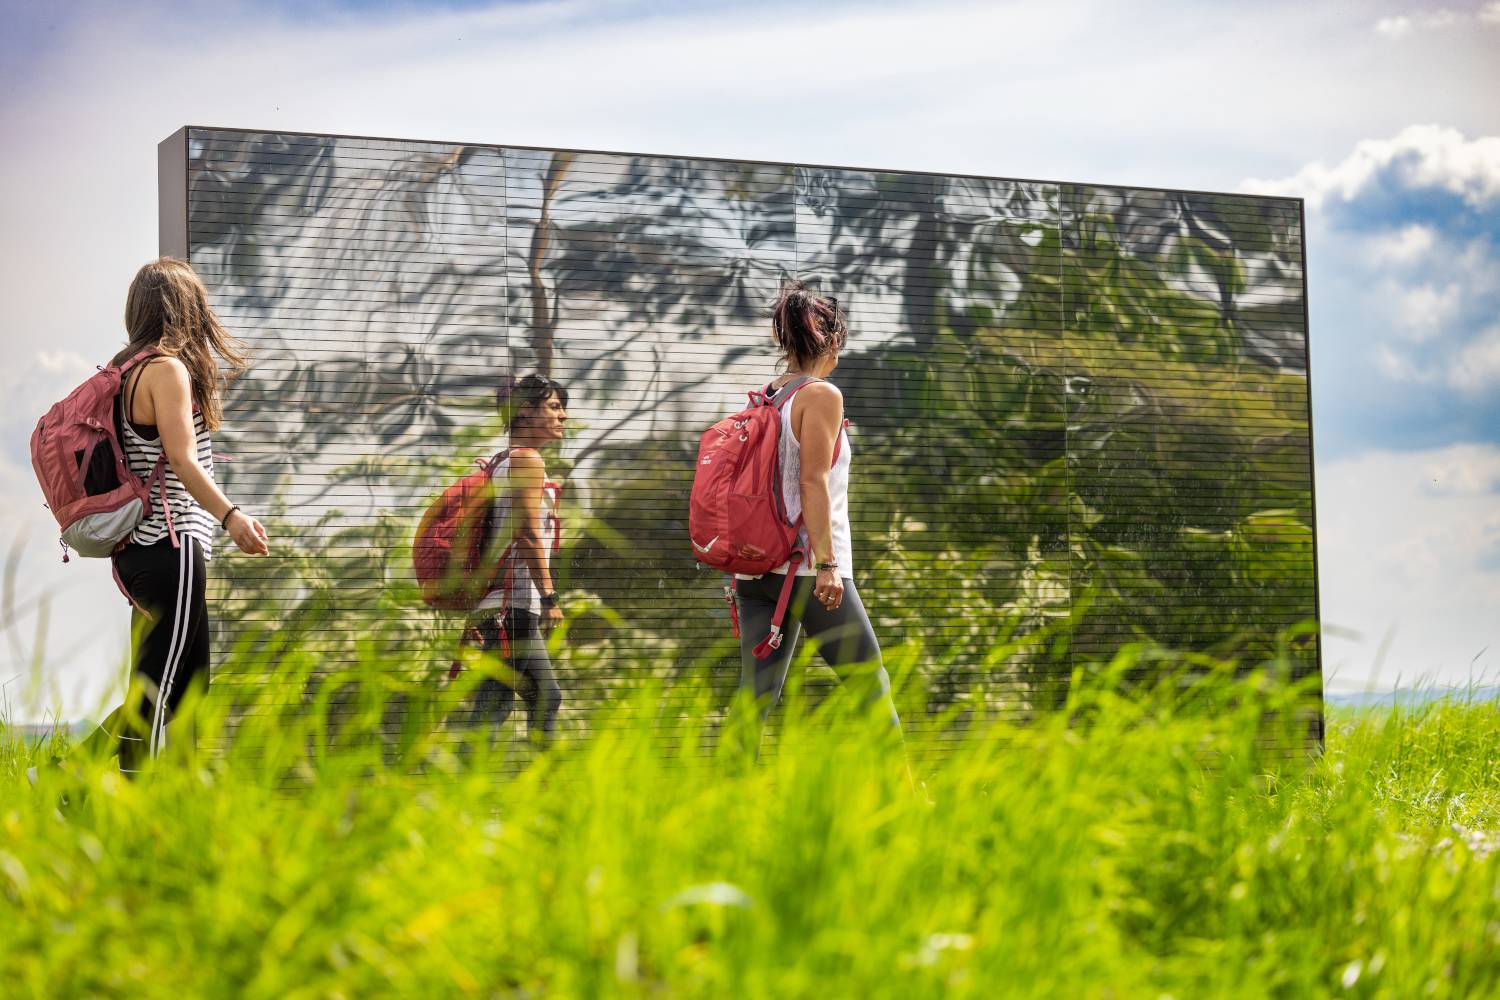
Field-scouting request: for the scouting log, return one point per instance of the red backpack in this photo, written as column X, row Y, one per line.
column 80, row 463
column 737, row 517
column 449, row 551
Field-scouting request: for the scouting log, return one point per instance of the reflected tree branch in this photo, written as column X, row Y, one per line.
column 543, row 319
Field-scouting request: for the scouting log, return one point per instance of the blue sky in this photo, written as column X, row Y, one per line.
column 1405, row 294
column 1382, row 115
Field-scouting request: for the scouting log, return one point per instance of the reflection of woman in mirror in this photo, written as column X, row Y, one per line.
column 510, row 624
column 809, row 332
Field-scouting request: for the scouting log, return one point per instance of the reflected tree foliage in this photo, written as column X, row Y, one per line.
column 1079, row 414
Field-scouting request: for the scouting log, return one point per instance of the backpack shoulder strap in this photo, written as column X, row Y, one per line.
column 796, row 387
column 148, row 354
column 496, row 460
column 786, row 392
column 129, row 386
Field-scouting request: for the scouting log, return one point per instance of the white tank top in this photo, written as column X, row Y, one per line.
column 838, row 495
column 524, row 594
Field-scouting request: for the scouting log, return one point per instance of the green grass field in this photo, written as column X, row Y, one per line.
column 1131, row 847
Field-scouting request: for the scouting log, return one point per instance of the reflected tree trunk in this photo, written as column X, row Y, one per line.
column 543, row 317
column 921, row 283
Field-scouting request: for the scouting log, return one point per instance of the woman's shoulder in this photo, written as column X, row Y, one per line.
column 165, row 369
column 821, row 393
column 526, row 463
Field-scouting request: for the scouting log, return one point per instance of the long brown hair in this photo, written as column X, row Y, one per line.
column 167, row 308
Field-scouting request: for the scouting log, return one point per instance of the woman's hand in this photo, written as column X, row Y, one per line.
column 247, row 534
column 829, row 589
column 551, row 618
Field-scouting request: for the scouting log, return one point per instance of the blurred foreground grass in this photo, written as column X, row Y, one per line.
column 1156, row 844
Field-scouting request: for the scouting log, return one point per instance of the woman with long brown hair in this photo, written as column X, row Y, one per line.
column 170, row 403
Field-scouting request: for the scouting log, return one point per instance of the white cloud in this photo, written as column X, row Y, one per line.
column 63, row 363
column 1424, row 310
column 1474, row 368
column 1458, row 471
column 1419, row 278
column 1398, row 366
column 1404, row 246
column 1394, row 27
column 1420, row 156
column 1406, row 549
column 1477, row 366
column 1399, row 26
column 1474, row 264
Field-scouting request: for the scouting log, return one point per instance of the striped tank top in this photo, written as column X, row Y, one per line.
column 188, row 518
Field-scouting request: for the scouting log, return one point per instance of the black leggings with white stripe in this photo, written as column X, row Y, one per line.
column 169, row 654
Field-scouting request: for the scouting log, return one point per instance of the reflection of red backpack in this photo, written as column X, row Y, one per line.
column 736, row 517
column 449, row 551
column 80, row 462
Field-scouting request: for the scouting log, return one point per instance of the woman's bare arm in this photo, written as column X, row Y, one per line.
column 527, row 477
column 819, row 417
column 166, row 395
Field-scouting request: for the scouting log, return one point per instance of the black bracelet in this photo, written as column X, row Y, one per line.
column 549, row 600
column 225, row 523
column 828, row 565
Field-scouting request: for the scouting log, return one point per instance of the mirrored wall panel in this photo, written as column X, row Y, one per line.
column 1078, row 415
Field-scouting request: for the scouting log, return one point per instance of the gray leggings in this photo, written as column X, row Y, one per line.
column 844, row 636
column 529, row 669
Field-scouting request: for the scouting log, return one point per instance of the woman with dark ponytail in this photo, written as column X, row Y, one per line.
column 809, row 331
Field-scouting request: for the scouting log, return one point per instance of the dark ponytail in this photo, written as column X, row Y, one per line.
column 807, row 326
column 528, row 390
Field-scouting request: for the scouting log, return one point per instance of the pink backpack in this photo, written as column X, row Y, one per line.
column 80, row 462
column 453, row 539
column 736, row 516
column 452, row 555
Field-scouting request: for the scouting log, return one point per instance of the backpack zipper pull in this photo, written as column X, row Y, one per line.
column 64, row 548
